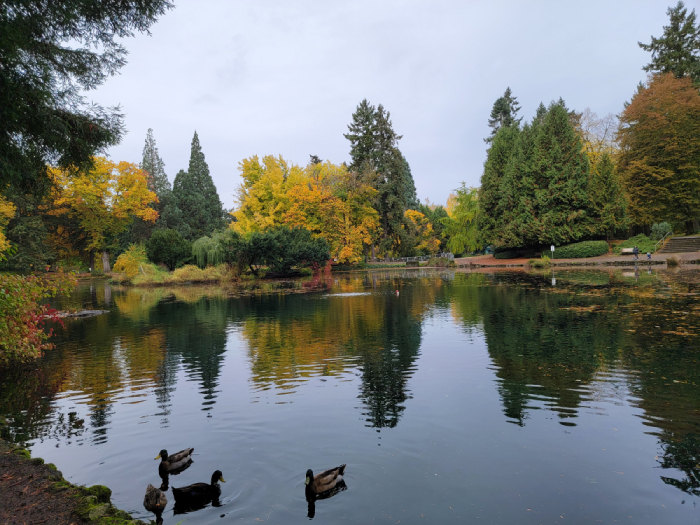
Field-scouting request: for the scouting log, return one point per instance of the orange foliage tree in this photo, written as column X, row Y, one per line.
column 660, row 152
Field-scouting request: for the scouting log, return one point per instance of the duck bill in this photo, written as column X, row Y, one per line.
column 157, row 457
column 222, row 480
column 307, row 481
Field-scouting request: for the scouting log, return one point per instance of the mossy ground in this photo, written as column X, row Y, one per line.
column 34, row 492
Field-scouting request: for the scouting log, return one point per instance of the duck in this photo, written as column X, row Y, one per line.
column 154, row 500
column 174, row 462
column 199, row 493
column 324, row 482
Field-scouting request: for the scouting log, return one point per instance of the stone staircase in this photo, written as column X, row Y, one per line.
column 681, row 245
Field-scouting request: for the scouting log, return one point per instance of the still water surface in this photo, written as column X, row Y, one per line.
column 503, row 397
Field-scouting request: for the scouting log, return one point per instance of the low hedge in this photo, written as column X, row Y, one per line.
column 581, row 250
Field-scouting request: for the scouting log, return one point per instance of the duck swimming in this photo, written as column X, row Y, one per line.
column 168, row 464
column 155, row 500
column 197, row 495
column 323, row 482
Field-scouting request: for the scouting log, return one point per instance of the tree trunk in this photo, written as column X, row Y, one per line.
column 372, row 252
column 92, row 260
column 105, row 262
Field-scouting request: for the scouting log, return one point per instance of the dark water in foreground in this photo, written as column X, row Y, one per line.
column 507, row 397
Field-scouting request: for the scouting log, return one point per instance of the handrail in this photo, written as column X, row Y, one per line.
column 661, row 240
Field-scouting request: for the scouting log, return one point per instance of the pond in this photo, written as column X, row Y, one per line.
column 505, row 397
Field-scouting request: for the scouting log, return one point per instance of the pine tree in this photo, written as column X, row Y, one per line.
column 503, row 114
column 196, row 197
column 678, row 50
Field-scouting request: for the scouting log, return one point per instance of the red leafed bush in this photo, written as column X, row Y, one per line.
column 22, row 316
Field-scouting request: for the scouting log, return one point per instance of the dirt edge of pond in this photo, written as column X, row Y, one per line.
column 32, row 491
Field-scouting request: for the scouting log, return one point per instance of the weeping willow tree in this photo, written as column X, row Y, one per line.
column 211, row 251
column 460, row 226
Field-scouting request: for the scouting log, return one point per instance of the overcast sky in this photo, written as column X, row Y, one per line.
column 280, row 77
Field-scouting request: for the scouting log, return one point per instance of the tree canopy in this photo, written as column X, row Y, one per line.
column 49, row 52
column 678, row 50
column 503, row 114
column 660, row 152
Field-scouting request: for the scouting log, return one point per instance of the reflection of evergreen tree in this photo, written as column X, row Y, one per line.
column 543, row 337
column 196, row 333
column 387, row 361
column 166, row 384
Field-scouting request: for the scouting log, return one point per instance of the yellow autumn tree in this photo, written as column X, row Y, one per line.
column 262, row 196
column 335, row 204
column 426, row 242
column 104, row 201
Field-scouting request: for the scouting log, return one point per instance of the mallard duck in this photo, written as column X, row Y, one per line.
column 174, row 462
column 154, row 500
column 199, row 493
column 323, row 482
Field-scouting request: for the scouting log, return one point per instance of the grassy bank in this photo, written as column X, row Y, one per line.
column 149, row 274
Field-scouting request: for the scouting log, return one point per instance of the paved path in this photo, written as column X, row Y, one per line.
column 488, row 260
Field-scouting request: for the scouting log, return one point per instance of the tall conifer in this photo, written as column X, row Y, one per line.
column 196, row 196
column 504, row 114
column 374, row 144
column 678, row 50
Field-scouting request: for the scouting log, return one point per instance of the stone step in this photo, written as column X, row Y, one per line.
column 681, row 245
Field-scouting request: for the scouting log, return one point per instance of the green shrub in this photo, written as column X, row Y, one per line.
column 581, row 250
column 672, row 262
column 659, row 230
column 641, row 241
column 507, row 254
column 540, row 263
column 168, row 247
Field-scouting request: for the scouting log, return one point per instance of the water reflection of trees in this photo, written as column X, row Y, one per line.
column 546, row 342
column 551, row 344
column 293, row 337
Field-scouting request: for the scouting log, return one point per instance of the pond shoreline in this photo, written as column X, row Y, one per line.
column 32, row 491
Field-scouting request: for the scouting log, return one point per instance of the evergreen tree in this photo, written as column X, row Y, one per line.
column 374, row 144
column 491, row 216
column 155, row 167
column 557, row 208
column 535, row 184
column 607, row 197
column 678, row 50
column 196, row 196
column 315, row 160
column 49, row 52
column 158, row 183
column 504, row 113
column 361, row 136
